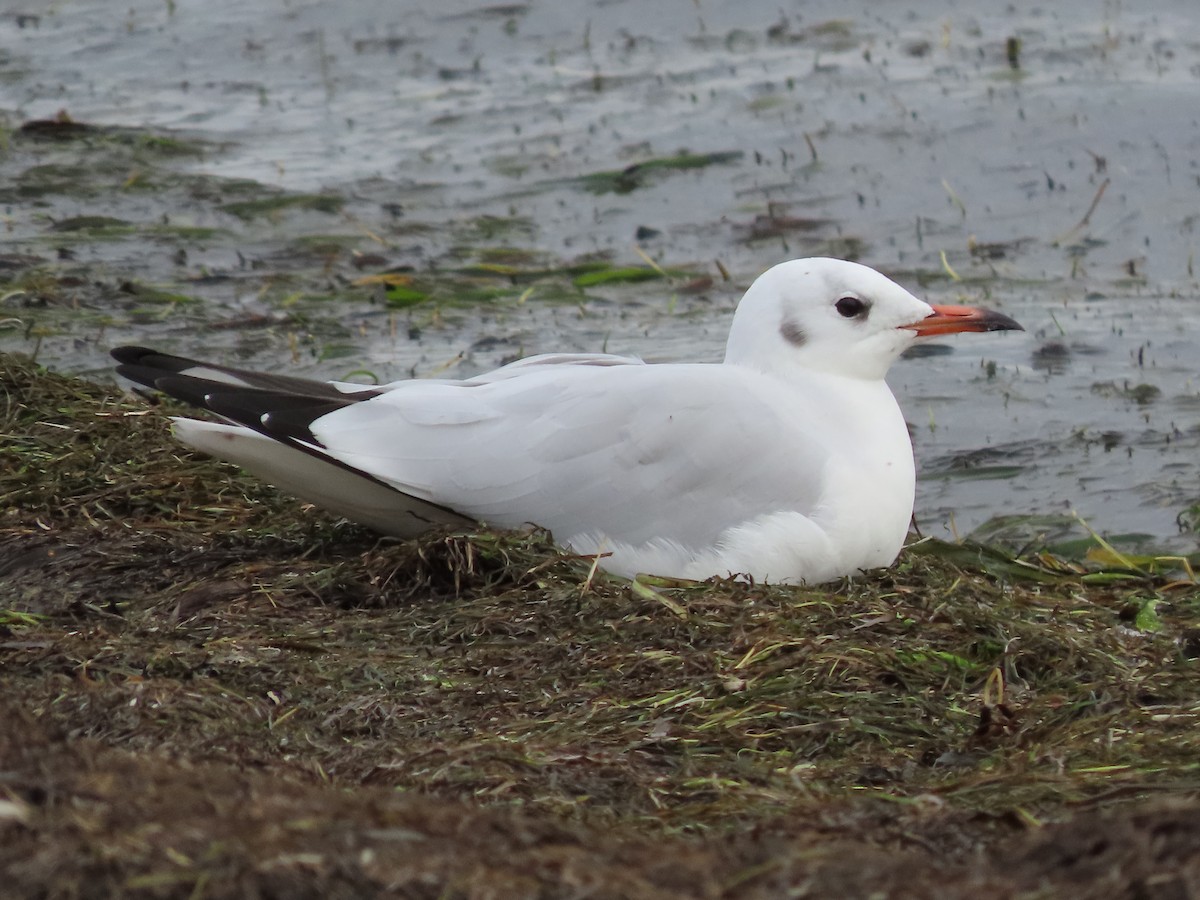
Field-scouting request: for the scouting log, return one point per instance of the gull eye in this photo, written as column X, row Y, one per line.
column 851, row 307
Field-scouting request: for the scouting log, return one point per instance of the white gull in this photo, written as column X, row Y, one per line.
column 788, row 462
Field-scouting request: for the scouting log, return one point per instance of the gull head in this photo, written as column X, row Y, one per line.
column 840, row 317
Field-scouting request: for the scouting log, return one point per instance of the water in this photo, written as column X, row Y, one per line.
column 898, row 133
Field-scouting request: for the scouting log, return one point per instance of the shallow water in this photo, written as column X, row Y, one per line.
column 895, row 133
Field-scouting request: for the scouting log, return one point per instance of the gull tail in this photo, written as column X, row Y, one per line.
column 268, row 432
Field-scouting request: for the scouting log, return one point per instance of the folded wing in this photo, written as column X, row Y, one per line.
column 582, row 445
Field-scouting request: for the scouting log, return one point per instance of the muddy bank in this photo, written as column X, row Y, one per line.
column 211, row 690
column 106, row 822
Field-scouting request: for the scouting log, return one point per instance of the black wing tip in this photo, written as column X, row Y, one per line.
column 149, row 358
column 276, row 406
column 194, row 391
column 130, row 354
column 146, row 366
column 147, row 376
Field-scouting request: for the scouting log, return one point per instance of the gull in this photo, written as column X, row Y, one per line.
column 788, row 462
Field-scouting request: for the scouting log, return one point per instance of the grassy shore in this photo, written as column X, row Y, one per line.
column 211, row 690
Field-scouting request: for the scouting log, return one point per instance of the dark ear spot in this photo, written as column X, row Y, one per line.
column 793, row 333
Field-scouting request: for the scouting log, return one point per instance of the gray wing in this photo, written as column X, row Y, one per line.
column 636, row 452
column 580, row 444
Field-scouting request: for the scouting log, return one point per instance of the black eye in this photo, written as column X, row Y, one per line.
column 851, row 307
